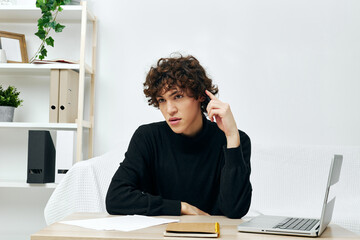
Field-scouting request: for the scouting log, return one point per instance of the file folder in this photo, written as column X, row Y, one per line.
column 54, row 96
column 65, row 154
column 68, row 96
column 41, row 157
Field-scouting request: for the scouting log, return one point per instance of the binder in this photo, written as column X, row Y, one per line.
column 68, row 96
column 65, row 154
column 54, row 96
column 41, row 157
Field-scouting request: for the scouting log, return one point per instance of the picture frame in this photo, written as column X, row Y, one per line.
column 14, row 45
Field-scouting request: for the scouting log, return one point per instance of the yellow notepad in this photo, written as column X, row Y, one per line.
column 211, row 230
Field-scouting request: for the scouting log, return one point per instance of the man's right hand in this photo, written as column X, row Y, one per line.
column 188, row 209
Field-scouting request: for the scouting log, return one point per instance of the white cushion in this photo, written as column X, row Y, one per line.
column 84, row 187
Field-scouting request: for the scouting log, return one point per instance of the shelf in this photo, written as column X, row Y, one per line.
column 49, row 126
column 38, row 69
column 30, row 125
column 18, row 13
column 20, row 184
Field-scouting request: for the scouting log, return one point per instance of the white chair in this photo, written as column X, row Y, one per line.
column 84, row 187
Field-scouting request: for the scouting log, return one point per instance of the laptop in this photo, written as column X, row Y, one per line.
column 298, row 226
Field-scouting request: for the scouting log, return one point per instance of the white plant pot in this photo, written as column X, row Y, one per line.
column 6, row 113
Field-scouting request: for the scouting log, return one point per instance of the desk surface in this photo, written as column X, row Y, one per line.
column 228, row 230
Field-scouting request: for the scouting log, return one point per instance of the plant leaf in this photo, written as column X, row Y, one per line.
column 44, row 9
column 43, row 20
column 50, row 41
column 41, row 34
column 40, row 3
column 53, row 25
column 43, row 53
column 47, row 14
column 59, row 27
column 10, row 97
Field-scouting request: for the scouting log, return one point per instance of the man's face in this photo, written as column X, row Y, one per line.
column 181, row 112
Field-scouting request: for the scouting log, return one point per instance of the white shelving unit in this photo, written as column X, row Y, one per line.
column 14, row 15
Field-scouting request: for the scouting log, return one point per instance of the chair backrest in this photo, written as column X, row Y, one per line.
column 84, row 187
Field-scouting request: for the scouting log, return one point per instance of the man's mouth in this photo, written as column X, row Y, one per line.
column 174, row 120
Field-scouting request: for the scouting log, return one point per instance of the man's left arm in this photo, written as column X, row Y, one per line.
column 235, row 188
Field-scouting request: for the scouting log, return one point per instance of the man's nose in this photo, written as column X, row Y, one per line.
column 171, row 108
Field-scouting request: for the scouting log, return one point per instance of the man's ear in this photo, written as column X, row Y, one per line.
column 204, row 100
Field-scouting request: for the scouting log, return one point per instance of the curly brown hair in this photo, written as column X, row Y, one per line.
column 183, row 72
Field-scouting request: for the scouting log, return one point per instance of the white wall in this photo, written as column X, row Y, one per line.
column 289, row 69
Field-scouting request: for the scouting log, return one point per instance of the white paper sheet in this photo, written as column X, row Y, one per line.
column 121, row 223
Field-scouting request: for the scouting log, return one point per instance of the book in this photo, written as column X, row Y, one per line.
column 205, row 230
column 54, row 61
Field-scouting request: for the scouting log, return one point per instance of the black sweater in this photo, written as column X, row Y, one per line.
column 162, row 168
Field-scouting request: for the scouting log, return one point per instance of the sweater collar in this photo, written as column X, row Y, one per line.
column 195, row 140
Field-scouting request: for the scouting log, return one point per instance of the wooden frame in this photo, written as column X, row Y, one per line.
column 14, row 54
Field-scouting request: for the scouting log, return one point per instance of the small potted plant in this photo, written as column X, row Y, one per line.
column 9, row 100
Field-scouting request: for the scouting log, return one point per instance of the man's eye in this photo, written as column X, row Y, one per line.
column 161, row 100
column 178, row 96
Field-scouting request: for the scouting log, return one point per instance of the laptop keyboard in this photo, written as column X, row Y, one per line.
column 303, row 224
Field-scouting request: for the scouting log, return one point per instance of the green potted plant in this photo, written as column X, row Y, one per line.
column 9, row 100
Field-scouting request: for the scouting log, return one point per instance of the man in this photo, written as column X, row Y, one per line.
column 185, row 164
